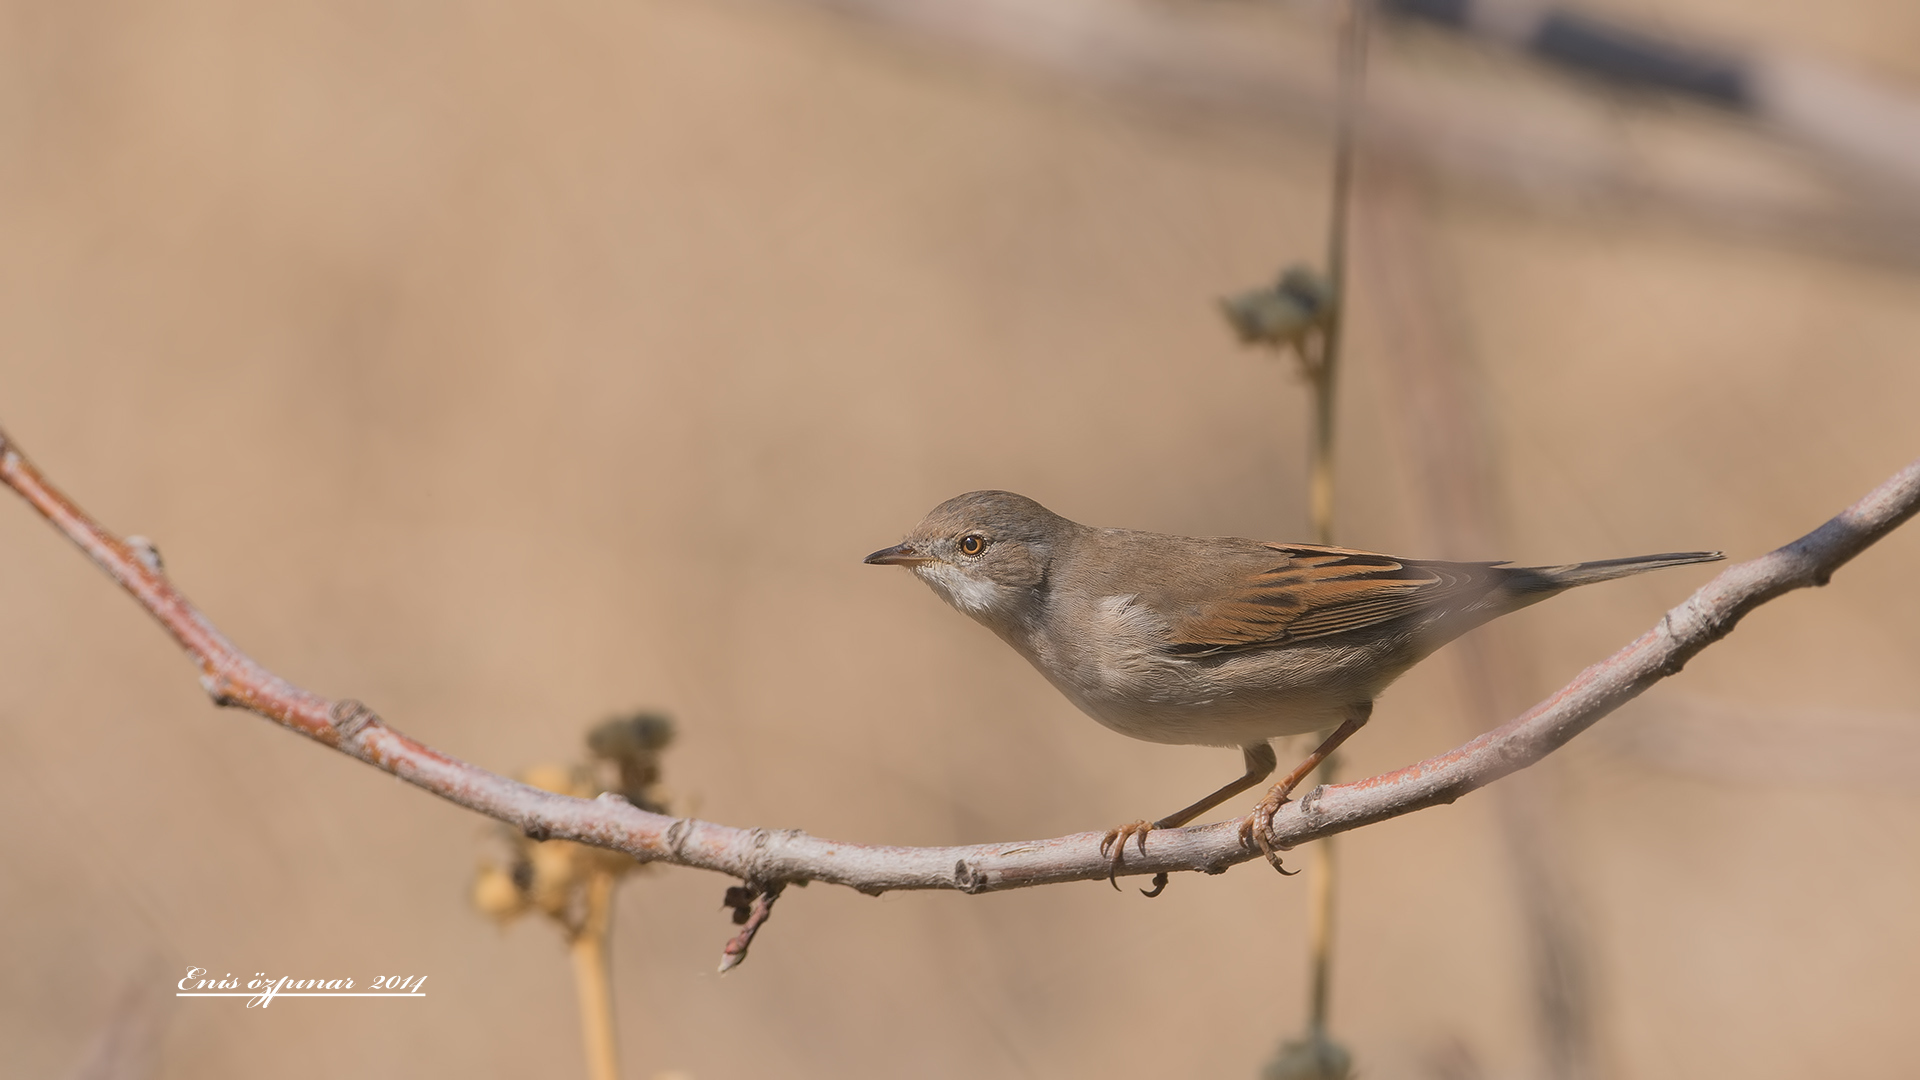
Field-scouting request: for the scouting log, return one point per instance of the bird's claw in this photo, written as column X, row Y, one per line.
column 1258, row 827
column 1116, row 841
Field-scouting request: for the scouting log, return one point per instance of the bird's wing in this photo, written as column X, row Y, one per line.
column 1315, row 592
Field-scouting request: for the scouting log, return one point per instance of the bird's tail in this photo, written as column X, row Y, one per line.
column 1555, row 578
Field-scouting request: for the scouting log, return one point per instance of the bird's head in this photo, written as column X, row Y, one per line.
column 986, row 552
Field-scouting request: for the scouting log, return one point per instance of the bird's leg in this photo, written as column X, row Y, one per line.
column 1259, row 824
column 1260, row 765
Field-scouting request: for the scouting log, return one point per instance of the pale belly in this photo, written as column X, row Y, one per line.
column 1231, row 700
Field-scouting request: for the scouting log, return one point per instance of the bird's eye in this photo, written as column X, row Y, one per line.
column 972, row 544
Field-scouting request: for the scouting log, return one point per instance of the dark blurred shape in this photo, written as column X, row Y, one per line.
column 1315, row 1057
column 1597, row 46
column 1637, row 59
column 1284, row 313
column 633, row 743
column 1452, row 13
column 560, row 878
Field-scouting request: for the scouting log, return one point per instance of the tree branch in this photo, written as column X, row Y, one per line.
column 770, row 856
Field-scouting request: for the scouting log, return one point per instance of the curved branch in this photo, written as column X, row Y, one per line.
column 769, row 856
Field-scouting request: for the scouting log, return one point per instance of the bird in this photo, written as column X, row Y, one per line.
column 1214, row 641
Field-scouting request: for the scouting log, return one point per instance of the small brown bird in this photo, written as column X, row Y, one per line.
column 1215, row 641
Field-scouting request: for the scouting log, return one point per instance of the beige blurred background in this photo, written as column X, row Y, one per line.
column 508, row 366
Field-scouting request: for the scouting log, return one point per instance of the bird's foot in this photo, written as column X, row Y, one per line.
column 1257, row 829
column 1116, row 842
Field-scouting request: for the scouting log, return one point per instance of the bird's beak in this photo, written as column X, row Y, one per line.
column 897, row 555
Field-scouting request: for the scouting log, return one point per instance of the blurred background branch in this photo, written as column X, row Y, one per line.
column 1787, row 148
column 1434, row 403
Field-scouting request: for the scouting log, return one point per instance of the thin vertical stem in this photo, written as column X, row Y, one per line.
column 591, row 979
column 1320, row 929
column 1352, row 73
column 1351, row 76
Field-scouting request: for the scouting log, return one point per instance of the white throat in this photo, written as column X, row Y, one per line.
column 975, row 596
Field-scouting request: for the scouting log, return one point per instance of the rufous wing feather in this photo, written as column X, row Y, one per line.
column 1317, row 592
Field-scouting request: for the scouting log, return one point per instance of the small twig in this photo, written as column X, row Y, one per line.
column 233, row 678
column 751, row 909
